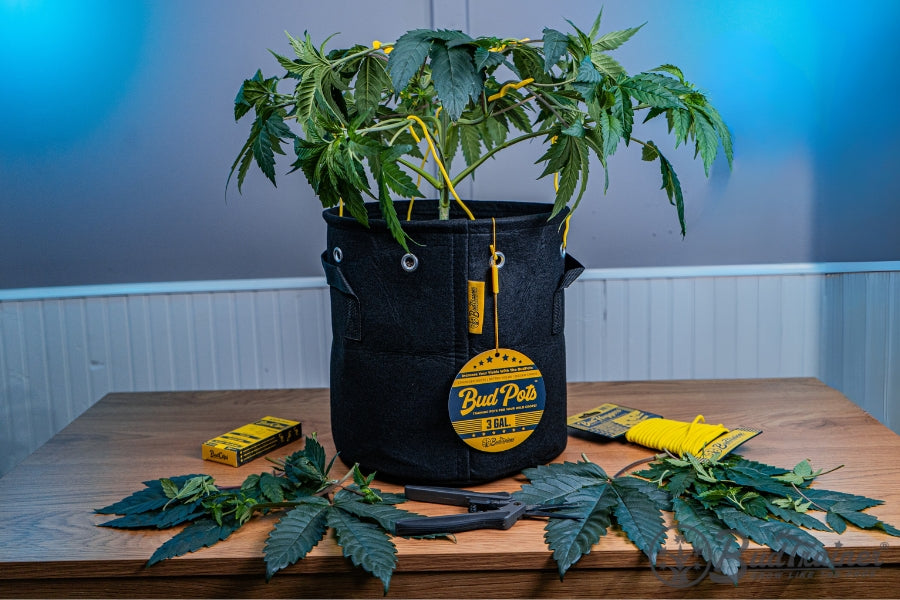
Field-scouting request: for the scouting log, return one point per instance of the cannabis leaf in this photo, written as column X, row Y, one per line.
column 800, row 474
column 639, row 516
column 362, row 517
column 366, row 544
column 600, row 501
column 715, row 505
column 149, row 499
column 298, row 532
column 455, row 79
column 556, row 45
column 371, row 82
column 702, row 528
column 197, row 535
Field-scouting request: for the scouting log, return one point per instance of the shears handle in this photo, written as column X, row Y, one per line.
column 502, row 517
column 452, row 496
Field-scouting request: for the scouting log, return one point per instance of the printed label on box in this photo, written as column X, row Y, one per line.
column 245, row 443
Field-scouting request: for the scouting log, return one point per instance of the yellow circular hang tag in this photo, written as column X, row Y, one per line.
column 497, row 400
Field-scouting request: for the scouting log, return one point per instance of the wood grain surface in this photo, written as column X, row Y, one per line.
column 51, row 545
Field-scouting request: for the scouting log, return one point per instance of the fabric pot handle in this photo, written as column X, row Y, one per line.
column 337, row 281
column 572, row 270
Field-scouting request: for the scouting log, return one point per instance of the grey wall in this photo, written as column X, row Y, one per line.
column 116, row 135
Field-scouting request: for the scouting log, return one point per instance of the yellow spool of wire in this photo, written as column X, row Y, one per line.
column 677, row 437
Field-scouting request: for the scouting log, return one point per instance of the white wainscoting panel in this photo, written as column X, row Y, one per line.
column 861, row 312
column 694, row 328
column 62, row 349
column 60, row 355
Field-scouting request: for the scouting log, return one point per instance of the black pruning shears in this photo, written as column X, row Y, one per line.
column 498, row 510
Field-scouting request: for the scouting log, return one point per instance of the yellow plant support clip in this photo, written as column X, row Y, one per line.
column 510, row 86
column 387, row 48
column 441, row 165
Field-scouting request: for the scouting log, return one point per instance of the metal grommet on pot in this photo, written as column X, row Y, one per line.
column 500, row 260
column 338, row 254
column 409, row 262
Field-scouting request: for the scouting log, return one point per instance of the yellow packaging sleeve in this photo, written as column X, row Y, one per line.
column 251, row 441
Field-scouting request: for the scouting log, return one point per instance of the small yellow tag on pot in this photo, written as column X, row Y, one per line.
column 475, row 306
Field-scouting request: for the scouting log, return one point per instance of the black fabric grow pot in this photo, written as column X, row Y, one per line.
column 401, row 334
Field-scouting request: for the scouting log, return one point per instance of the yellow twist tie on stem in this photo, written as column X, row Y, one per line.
column 510, row 86
column 422, row 166
column 340, row 207
column 419, row 178
column 440, row 165
column 676, row 437
column 385, row 47
column 418, row 181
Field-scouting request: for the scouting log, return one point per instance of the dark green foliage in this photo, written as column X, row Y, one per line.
column 350, row 108
column 366, row 544
column 151, row 498
column 703, row 529
column 639, row 516
column 199, row 534
column 298, row 532
column 362, row 517
column 716, row 504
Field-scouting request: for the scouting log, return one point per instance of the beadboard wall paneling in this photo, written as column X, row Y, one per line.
column 861, row 354
column 60, row 355
column 62, row 349
column 694, row 328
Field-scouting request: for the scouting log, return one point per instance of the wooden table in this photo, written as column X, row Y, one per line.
column 51, row 545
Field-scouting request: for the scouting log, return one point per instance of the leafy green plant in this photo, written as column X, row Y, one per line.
column 362, row 112
column 361, row 517
column 713, row 503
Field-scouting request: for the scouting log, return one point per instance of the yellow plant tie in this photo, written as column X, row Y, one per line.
column 440, row 165
column 387, row 48
column 510, row 86
column 422, row 166
column 340, row 207
column 495, row 283
column 678, row 437
column 502, row 47
column 419, row 178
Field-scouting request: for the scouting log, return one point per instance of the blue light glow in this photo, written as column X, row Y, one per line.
column 781, row 72
column 64, row 64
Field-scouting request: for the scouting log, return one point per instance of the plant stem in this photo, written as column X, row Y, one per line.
column 628, row 468
column 385, row 126
column 468, row 170
column 425, row 174
column 551, row 108
column 805, row 497
column 443, row 131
